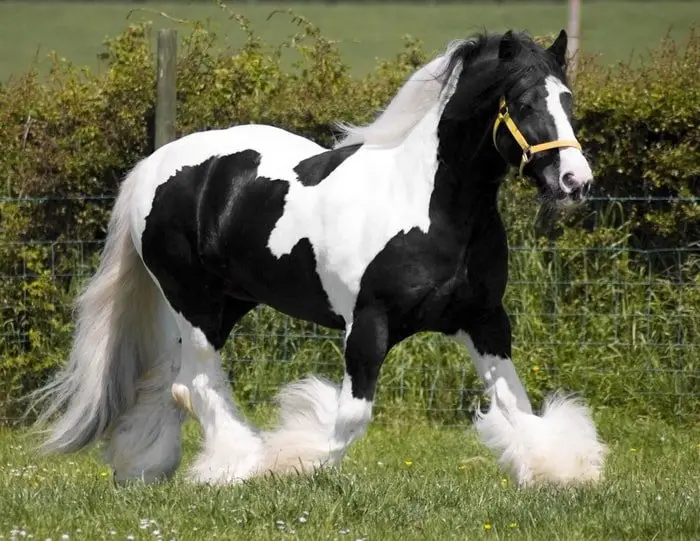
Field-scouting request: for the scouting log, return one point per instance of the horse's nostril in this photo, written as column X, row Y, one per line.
column 580, row 192
column 568, row 182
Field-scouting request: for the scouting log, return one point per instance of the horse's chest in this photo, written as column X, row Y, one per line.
column 348, row 220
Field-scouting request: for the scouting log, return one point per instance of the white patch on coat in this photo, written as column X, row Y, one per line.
column 348, row 218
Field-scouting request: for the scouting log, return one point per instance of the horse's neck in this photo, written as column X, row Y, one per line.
column 470, row 173
column 435, row 175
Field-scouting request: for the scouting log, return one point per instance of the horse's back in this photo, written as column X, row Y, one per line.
column 196, row 148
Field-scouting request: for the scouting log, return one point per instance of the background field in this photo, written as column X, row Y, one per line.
column 618, row 31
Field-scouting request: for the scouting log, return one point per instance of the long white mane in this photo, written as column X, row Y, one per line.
column 429, row 85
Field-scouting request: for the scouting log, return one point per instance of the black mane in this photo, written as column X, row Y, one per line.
column 484, row 78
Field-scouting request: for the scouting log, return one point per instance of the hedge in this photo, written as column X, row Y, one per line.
column 593, row 309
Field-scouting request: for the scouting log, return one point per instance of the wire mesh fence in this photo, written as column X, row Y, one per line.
column 618, row 324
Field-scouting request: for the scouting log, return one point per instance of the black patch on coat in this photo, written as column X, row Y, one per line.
column 206, row 243
column 313, row 170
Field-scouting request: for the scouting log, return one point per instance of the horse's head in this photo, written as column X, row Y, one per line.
column 532, row 129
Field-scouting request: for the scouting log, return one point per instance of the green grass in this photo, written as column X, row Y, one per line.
column 617, row 30
column 396, row 484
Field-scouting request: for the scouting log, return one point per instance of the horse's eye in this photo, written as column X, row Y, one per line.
column 525, row 109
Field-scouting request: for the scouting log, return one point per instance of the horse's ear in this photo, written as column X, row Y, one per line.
column 509, row 46
column 558, row 48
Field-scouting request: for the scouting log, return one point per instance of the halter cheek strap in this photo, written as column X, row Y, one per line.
column 528, row 150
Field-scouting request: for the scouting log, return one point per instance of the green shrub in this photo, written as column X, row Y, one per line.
column 590, row 315
column 643, row 127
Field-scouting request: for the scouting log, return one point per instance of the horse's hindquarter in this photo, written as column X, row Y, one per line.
column 205, row 207
column 195, row 149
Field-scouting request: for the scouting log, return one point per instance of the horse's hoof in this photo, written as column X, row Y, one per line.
column 181, row 395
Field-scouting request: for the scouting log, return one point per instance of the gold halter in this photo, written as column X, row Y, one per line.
column 528, row 150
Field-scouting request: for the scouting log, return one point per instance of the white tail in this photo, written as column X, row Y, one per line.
column 118, row 338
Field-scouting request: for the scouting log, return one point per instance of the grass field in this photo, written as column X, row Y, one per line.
column 396, row 484
column 614, row 29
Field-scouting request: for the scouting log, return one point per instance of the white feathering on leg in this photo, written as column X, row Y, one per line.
column 560, row 447
column 304, row 438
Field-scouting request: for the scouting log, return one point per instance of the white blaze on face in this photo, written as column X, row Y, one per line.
column 574, row 170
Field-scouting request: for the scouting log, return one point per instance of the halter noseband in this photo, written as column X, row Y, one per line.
column 528, row 150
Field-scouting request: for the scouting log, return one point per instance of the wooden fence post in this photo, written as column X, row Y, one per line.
column 166, row 97
column 574, row 32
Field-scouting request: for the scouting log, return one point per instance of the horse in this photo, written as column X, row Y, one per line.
column 394, row 230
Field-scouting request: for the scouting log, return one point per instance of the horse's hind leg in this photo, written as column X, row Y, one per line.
column 232, row 448
column 145, row 442
column 204, row 316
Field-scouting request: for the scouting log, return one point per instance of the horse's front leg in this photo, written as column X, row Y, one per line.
column 488, row 340
column 366, row 345
column 561, row 446
column 319, row 421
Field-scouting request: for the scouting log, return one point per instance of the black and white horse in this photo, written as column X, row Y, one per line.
column 396, row 230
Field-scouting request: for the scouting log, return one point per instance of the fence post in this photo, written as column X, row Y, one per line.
column 574, row 32
column 166, row 86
